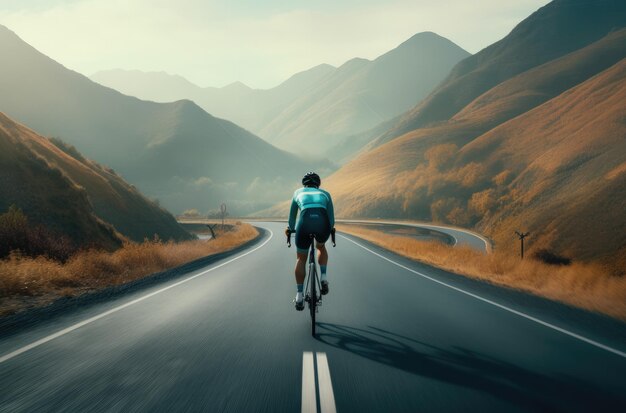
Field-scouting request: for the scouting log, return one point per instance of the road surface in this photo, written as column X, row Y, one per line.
column 394, row 336
column 460, row 236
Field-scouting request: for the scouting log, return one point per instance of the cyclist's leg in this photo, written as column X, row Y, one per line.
column 300, row 267
column 322, row 232
column 303, row 242
column 323, row 261
column 300, row 272
column 322, row 254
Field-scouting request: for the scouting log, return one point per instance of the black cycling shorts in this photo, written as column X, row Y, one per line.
column 312, row 221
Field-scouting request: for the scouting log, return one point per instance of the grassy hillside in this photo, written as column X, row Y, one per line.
column 542, row 151
column 565, row 171
column 559, row 28
column 56, row 186
column 175, row 152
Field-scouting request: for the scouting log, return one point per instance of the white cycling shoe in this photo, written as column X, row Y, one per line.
column 324, row 287
column 299, row 304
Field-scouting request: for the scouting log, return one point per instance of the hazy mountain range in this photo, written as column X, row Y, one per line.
column 59, row 188
column 175, row 152
column 527, row 134
column 318, row 109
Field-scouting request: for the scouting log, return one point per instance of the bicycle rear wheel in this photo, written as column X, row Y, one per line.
column 313, row 302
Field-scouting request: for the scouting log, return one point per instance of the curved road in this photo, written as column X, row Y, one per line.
column 394, row 335
column 461, row 236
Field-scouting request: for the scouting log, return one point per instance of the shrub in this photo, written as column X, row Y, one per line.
column 550, row 257
column 191, row 213
column 68, row 149
column 440, row 155
column 17, row 234
column 13, row 230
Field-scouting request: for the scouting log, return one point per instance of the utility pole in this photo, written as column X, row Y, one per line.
column 223, row 213
column 521, row 237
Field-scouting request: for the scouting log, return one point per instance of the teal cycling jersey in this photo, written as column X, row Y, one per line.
column 305, row 198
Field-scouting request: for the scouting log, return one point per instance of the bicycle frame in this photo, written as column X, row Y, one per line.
column 313, row 286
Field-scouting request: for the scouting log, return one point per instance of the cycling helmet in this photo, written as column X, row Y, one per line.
column 311, row 179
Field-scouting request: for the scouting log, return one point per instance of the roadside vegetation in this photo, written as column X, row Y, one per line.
column 34, row 272
column 587, row 285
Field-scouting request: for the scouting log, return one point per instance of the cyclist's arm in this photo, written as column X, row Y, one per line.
column 330, row 209
column 292, row 214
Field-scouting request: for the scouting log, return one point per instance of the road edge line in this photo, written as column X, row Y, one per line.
column 90, row 320
column 501, row 306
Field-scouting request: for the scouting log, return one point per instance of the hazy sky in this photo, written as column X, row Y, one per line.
column 259, row 42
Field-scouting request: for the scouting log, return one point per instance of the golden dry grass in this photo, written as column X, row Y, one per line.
column 26, row 282
column 588, row 286
column 555, row 171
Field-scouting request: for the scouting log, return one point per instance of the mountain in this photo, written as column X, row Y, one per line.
column 175, row 152
column 560, row 27
column 154, row 86
column 250, row 108
column 57, row 187
column 317, row 109
column 565, row 169
column 349, row 147
column 541, row 150
column 361, row 94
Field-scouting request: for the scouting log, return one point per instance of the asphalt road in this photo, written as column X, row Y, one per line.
column 461, row 236
column 394, row 336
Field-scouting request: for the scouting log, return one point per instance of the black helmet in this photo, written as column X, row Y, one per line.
column 311, row 179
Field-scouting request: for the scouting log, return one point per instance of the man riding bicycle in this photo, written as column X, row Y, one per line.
column 317, row 217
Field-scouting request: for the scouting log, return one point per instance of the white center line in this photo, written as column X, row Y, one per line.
column 503, row 307
column 309, row 399
column 322, row 379
column 327, row 398
column 116, row 309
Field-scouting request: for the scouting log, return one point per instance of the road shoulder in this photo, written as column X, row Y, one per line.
column 34, row 317
column 592, row 325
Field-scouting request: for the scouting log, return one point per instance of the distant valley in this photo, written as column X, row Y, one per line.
column 316, row 110
column 174, row 152
column 527, row 134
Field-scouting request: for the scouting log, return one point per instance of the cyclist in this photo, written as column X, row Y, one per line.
column 316, row 217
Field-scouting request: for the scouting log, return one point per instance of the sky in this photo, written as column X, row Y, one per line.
column 257, row 42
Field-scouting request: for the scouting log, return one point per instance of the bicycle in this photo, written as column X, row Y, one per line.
column 312, row 297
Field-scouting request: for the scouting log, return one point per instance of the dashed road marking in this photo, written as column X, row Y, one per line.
column 309, row 398
column 327, row 398
column 316, row 381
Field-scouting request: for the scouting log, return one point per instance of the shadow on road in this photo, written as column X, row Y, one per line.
column 466, row 368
